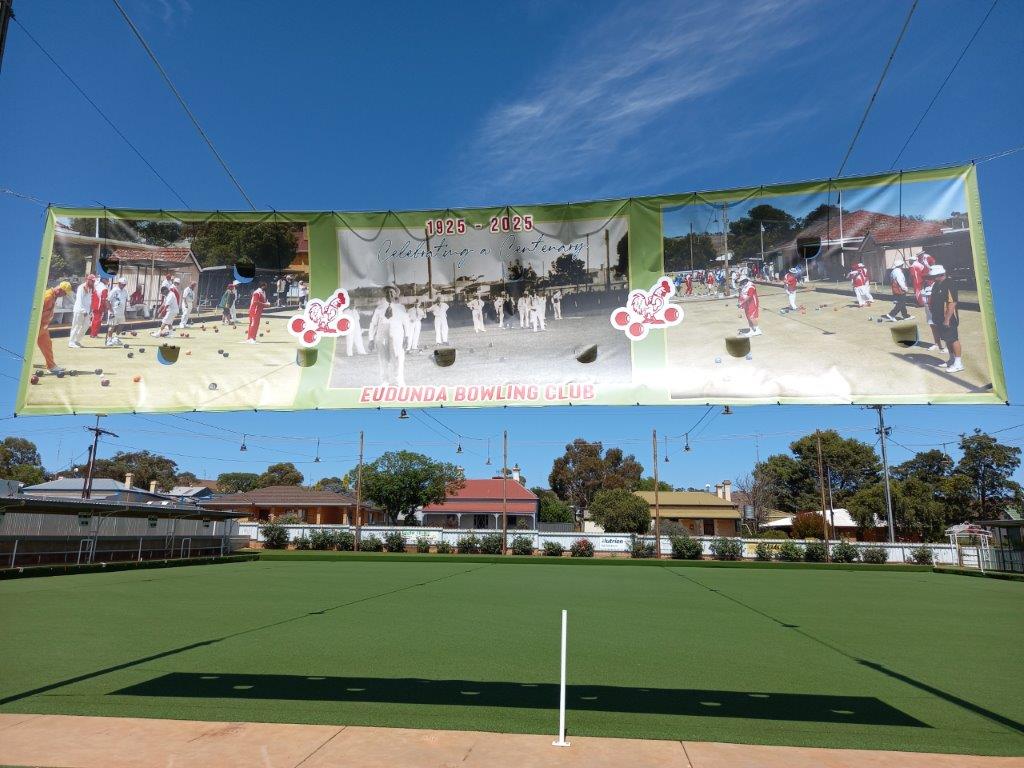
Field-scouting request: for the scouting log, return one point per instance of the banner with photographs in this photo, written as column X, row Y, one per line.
column 863, row 290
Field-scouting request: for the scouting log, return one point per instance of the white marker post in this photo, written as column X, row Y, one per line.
column 561, row 742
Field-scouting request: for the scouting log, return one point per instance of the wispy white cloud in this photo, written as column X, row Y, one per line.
column 170, row 12
column 628, row 77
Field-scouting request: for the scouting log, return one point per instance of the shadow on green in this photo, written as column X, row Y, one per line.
column 863, row 710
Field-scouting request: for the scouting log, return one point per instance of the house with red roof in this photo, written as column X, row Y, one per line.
column 879, row 240
column 479, row 505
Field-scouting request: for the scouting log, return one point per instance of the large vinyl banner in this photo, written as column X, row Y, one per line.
column 864, row 290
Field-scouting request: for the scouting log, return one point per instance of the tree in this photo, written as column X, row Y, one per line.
column 987, row 466
column 144, row 466
column 745, row 234
column 552, row 508
column 621, row 268
column 849, row 465
column 808, row 525
column 237, row 482
column 333, row 484
column 568, row 270
column 822, row 213
column 400, row 482
column 917, row 513
column 781, row 475
column 620, row 511
column 186, row 478
column 20, row 461
column 677, row 252
column 271, row 245
column 647, row 484
column 759, row 494
column 928, row 466
column 283, row 473
column 584, row 470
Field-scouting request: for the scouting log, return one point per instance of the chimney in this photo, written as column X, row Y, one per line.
column 152, row 486
column 515, row 473
column 129, row 478
column 727, row 490
column 718, row 490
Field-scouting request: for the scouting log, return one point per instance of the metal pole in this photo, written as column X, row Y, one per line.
column 504, row 493
column 430, row 272
column 6, row 12
column 883, row 432
column 821, row 486
column 14, row 552
column 657, row 499
column 691, row 246
column 140, row 549
column 561, row 742
column 607, row 262
column 359, row 492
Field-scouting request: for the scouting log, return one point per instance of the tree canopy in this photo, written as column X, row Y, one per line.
column 271, row 245
column 20, row 461
column 400, row 482
column 144, row 466
column 585, row 468
column 237, row 482
column 552, row 508
column 745, row 232
column 283, row 473
column 647, row 484
column 334, row 484
column 849, row 465
column 620, row 511
column 677, row 252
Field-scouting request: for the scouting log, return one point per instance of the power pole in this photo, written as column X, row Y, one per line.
column 359, row 492
column 883, row 432
column 6, row 14
column 657, row 499
column 504, row 493
column 96, row 432
column 821, row 486
column 607, row 262
column 691, row 246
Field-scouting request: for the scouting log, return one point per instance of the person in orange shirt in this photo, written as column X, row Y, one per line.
column 50, row 297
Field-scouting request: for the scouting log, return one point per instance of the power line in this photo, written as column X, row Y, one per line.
column 943, row 85
column 878, row 87
column 99, row 111
column 182, row 102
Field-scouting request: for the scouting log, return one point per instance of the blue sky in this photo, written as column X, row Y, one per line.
column 348, row 106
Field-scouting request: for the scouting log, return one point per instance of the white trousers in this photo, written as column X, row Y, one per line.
column 414, row 334
column 80, row 322
column 791, row 295
column 392, row 363
column 558, row 309
column 441, row 330
column 863, row 294
column 478, row 321
column 185, row 312
column 354, row 340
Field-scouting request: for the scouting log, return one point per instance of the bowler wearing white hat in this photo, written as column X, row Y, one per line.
column 943, row 304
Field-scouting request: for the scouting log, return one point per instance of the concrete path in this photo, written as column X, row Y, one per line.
column 62, row 741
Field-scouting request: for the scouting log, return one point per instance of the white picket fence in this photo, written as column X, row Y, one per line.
column 611, row 543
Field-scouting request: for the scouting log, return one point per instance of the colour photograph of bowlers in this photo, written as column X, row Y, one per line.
column 868, row 291
column 482, row 307
column 160, row 314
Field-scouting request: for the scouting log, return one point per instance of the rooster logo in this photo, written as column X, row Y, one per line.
column 321, row 318
column 645, row 309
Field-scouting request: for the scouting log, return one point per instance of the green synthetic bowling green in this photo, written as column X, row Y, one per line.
column 841, row 658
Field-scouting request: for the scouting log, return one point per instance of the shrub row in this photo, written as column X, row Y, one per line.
column 684, row 547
